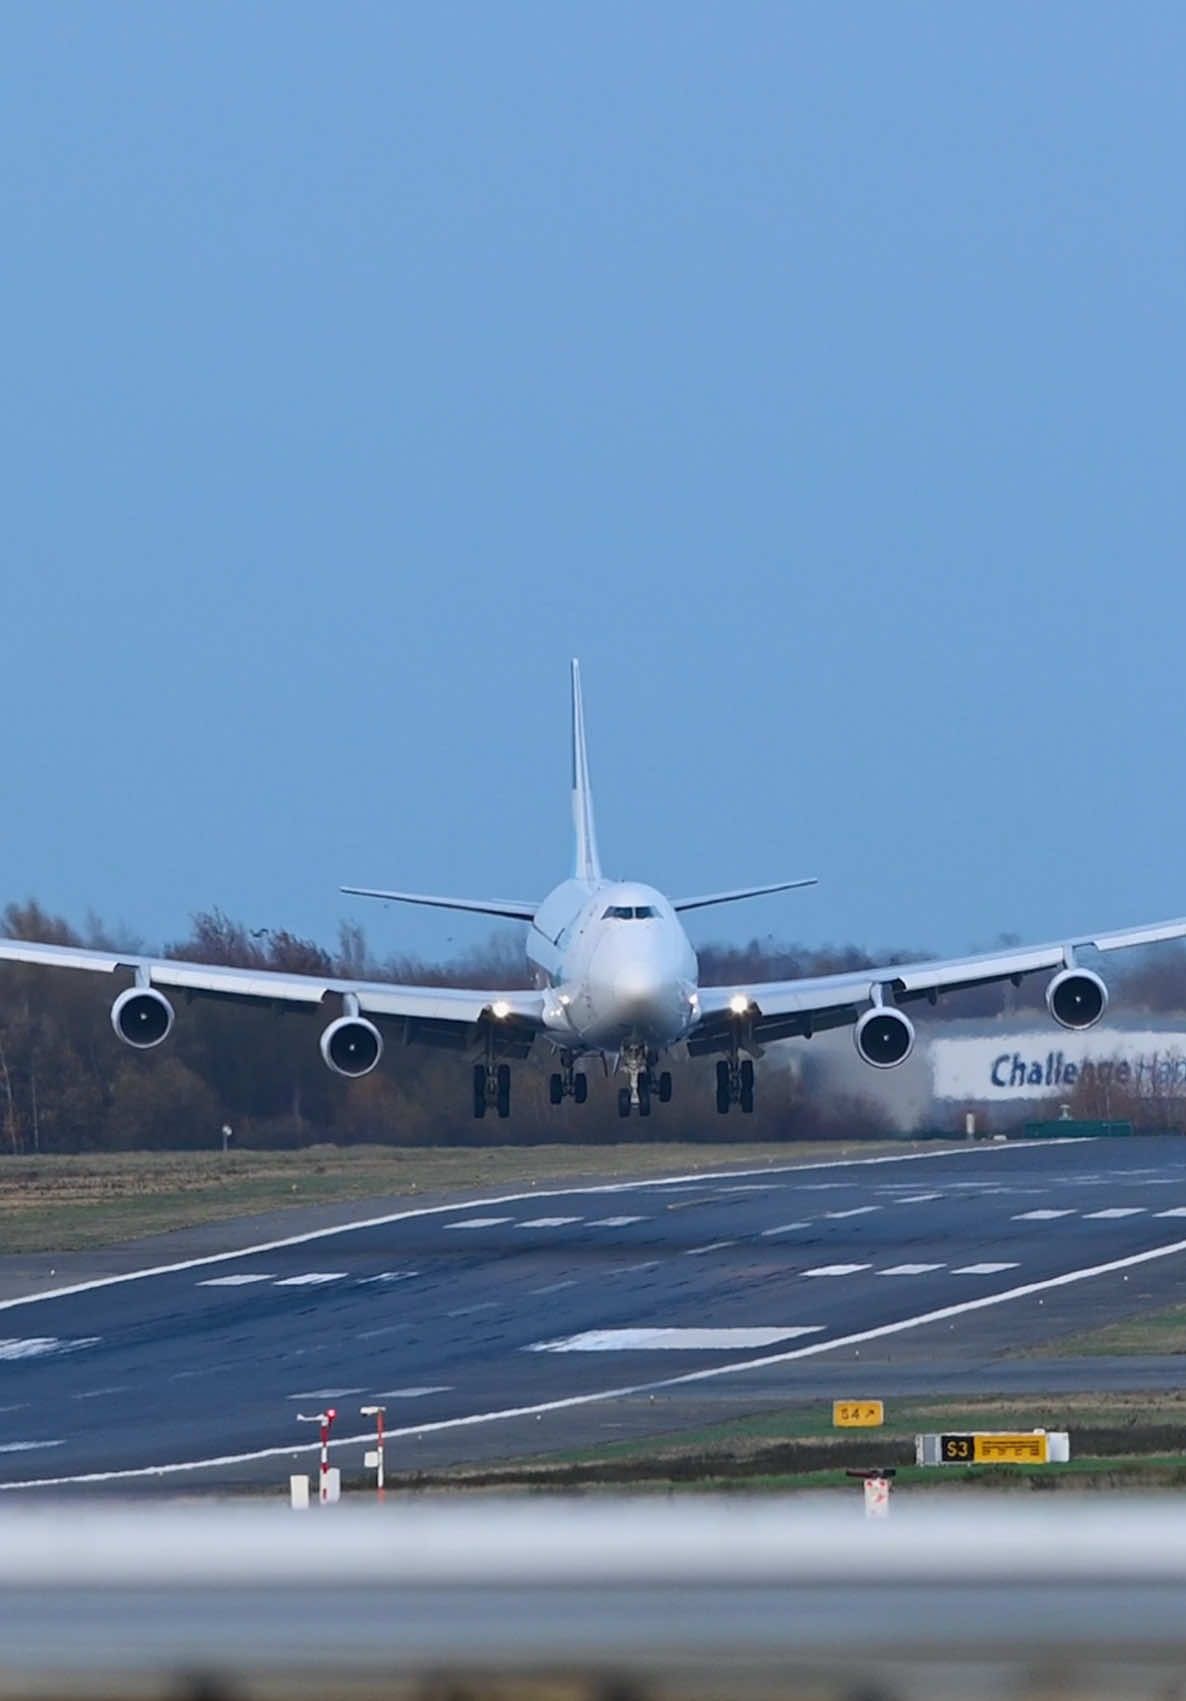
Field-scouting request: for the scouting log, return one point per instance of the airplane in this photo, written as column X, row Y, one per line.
column 616, row 979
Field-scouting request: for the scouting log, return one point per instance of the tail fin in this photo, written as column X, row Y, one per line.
column 588, row 865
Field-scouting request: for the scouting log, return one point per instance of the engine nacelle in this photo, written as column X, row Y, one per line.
column 142, row 1017
column 884, row 1037
column 1076, row 998
column 351, row 1046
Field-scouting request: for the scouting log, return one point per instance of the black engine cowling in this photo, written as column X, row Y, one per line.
column 142, row 1017
column 1076, row 998
column 884, row 1037
column 351, row 1046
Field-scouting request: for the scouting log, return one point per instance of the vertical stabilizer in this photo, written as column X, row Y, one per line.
column 588, row 866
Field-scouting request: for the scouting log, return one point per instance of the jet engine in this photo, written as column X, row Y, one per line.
column 351, row 1046
column 1076, row 998
column 142, row 1017
column 884, row 1037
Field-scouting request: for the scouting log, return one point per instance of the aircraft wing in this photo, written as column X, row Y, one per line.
column 443, row 1015
column 773, row 1010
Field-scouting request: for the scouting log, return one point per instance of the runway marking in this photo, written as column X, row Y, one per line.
column 388, row 1276
column 633, row 1269
column 550, row 1222
column 713, row 1246
column 241, row 1280
column 1117, row 1211
column 472, row 1222
column 615, row 1222
column 1178, row 1211
column 555, row 1287
column 103, row 1393
column 983, row 1269
column 414, row 1393
column 472, row 1310
column 671, row 1340
column 837, row 1269
column 783, row 1228
column 326, row 1394
column 44, row 1346
column 534, row 1196
column 857, row 1211
column 27, row 1446
column 472, row 1420
column 313, row 1279
column 910, row 1269
column 387, row 1329
column 1039, row 1216
column 918, row 1198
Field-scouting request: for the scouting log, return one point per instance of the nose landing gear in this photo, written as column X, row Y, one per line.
column 644, row 1083
column 492, row 1086
column 568, row 1082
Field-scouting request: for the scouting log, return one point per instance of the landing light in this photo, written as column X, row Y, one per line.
column 739, row 1004
column 500, row 1008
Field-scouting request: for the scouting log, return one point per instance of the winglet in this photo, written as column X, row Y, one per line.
column 587, row 864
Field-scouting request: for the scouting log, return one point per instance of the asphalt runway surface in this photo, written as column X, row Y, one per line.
column 554, row 1318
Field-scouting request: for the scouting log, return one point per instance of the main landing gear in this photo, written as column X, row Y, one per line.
column 492, row 1086
column 644, row 1084
column 735, row 1085
column 568, row 1082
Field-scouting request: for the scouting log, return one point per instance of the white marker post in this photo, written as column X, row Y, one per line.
column 326, row 1420
column 877, row 1486
column 375, row 1459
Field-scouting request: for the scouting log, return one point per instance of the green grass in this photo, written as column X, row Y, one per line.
column 1153, row 1335
column 73, row 1203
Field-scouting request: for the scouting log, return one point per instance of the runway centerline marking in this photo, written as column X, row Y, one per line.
column 414, row 1393
column 1178, row 1211
column 917, row 1198
column 313, row 1279
column 615, row 1222
column 326, row 1394
column 910, row 1269
column 1039, row 1216
column 783, row 1228
column 857, row 1211
column 713, row 1246
column 479, row 1222
column 983, row 1269
column 413, row 1212
column 837, row 1269
column 242, row 1279
column 672, row 1340
column 472, row 1420
column 555, row 1287
column 549, row 1222
column 1116, row 1211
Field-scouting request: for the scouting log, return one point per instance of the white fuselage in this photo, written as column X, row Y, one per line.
column 619, row 963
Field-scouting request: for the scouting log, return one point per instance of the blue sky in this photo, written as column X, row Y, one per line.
column 816, row 373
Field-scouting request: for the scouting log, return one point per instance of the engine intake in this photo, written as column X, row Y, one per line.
column 1076, row 998
column 351, row 1046
column 884, row 1037
column 142, row 1017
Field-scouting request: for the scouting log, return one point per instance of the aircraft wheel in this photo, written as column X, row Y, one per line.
column 580, row 1088
column 479, row 1090
column 747, row 1088
column 665, row 1087
column 555, row 1089
column 724, row 1097
column 504, row 1090
column 644, row 1094
column 623, row 1101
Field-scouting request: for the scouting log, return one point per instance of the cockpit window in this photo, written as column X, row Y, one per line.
column 618, row 912
column 645, row 912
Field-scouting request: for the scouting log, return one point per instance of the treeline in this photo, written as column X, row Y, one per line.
column 68, row 1084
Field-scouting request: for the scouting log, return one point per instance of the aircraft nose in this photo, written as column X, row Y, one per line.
column 629, row 984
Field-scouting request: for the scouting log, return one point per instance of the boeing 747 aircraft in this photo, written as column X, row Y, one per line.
column 616, row 979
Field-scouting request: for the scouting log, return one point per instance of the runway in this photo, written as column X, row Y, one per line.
column 542, row 1319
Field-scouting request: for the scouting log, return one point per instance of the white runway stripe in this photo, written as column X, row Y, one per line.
column 1039, row 1216
column 549, row 1222
column 44, row 1346
column 784, row 1228
column 713, row 1246
column 242, row 1280
column 909, row 1269
column 1117, row 1211
column 1178, row 1211
column 480, row 1222
column 327, row 1394
column 982, row 1269
column 615, row 1222
column 388, row 1276
column 672, row 1340
column 837, row 1269
column 27, row 1446
column 857, row 1211
column 918, row 1198
column 414, row 1393
column 313, row 1279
